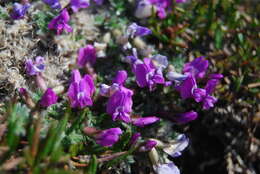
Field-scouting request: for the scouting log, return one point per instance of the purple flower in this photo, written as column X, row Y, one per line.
column 161, row 7
column 108, row 91
column 143, row 9
column 160, row 61
column 197, row 68
column 135, row 138
column 77, row 4
column 135, row 30
column 120, row 78
column 86, row 55
column 60, row 22
column 141, row 122
column 119, row 105
column 55, row 4
column 34, row 67
column 169, row 168
column 209, row 102
column 99, row 2
column 176, row 147
column 180, row 1
column 186, row 87
column 19, row 10
column 49, row 98
column 80, row 90
column 149, row 144
column 177, row 78
column 198, row 94
column 108, row 137
column 185, row 117
column 147, row 75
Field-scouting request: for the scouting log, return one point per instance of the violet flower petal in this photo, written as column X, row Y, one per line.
column 60, row 22
column 49, row 98
column 19, row 10
column 121, row 77
column 141, row 122
column 55, row 4
column 185, row 117
column 197, row 68
column 108, row 137
column 77, row 4
column 168, row 168
column 86, row 55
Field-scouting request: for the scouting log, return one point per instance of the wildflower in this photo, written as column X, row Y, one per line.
column 177, row 78
column 19, row 10
column 55, row 4
column 180, row 1
column 185, row 117
column 120, row 78
column 161, row 7
column 197, row 68
column 60, row 22
column 108, row 137
column 119, row 105
column 149, row 144
column 49, row 98
column 209, row 100
column 77, row 4
column 35, row 67
column 168, row 168
column 135, row 30
column 143, row 9
column 160, row 61
column 80, row 90
column 147, row 75
column 135, row 138
column 108, row 91
column 141, row 122
column 86, row 55
column 99, row 2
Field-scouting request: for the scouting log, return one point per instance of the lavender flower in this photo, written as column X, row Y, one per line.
column 108, row 91
column 141, row 122
column 149, row 144
column 209, row 100
column 160, row 61
column 19, row 10
column 77, row 4
column 175, row 77
column 197, row 68
column 168, row 168
column 135, row 30
column 60, row 22
column 185, row 117
column 180, row 1
column 135, row 138
column 120, row 78
column 86, row 55
column 186, row 87
column 49, row 98
column 80, row 90
column 99, row 2
column 143, row 9
column 108, row 137
column 176, row 147
column 55, row 4
column 147, row 75
column 119, row 105
column 161, row 7
column 35, row 67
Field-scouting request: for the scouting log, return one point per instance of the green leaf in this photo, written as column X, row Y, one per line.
column 92, row 168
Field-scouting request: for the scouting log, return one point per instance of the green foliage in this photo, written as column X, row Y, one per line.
column 42, row 19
